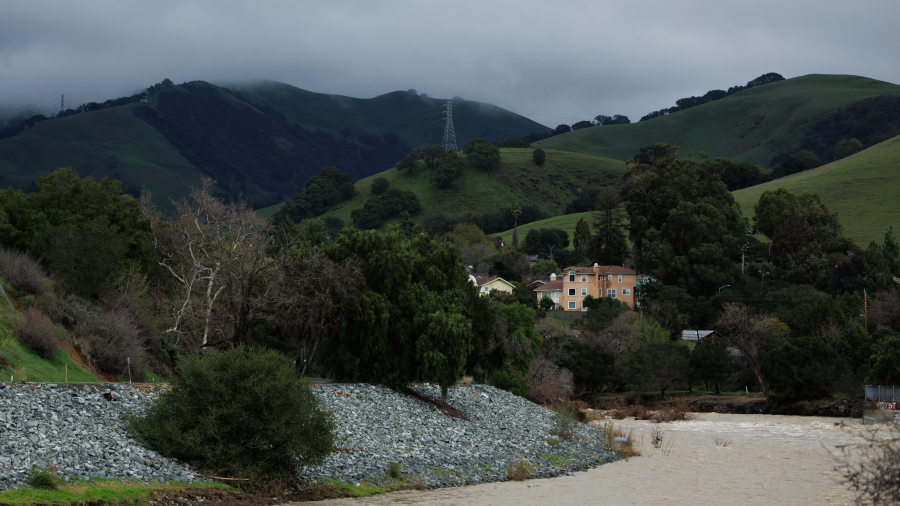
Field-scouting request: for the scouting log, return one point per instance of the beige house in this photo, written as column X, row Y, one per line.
column 575, row 283
column 487, row 283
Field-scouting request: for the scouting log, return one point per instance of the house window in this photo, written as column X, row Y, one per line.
column 620, row 278
column 555, row 296
column 572, row 305
column 609, row 277
column 626, row 291
column 571, row 291
column 583, row 292
column 571, row 276
column 584, row 278
column 611, row 293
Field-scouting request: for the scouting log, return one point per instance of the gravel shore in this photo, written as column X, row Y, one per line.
column 79, row 430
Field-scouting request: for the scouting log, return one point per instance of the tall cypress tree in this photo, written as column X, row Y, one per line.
column 609, row 245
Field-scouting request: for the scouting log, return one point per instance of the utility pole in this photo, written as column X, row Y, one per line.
column 865, row 311
column 449, row 133
column 743, row 254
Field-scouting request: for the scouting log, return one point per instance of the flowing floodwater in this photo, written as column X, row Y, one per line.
column 765, row 459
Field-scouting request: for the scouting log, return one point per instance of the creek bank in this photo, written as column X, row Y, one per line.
column 78, row 429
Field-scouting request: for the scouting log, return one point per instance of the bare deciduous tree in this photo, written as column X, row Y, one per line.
column 872, row 468
column 309, row 299
column 752, row 334
column 215, row 253
column 549, row 382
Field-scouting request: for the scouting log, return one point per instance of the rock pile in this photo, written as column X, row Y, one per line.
column 79, row 431
column 377, row 426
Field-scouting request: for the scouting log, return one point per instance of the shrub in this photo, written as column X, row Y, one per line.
column 377, row 209
column 23, row 272
column 514, row 142
column 538, row 156
column 549, row 382
column 239, row 413
column 44, row 479
column 565, row 421
column 395, row 469
column 483, row 156
column 871, row 469
column 36, row 333
column 379, row 185
column 518, row 470
column 111, row 338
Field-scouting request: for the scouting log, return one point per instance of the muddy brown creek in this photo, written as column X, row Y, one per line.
column 721, row 459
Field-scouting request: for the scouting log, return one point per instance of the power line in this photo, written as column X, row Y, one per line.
column 449, row 133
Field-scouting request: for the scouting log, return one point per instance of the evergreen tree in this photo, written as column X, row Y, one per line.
column 686, row 227
column 582, row 236
column 710, row 362
column 609, row 245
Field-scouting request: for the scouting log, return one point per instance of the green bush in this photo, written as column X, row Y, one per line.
column 802, row 368
column 538, row 156
column 43, row 479
column 238, row 413
column 391, row 203
column 379, row 185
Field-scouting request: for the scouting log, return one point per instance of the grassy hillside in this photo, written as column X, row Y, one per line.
column 109, row 142
column 753, row 125
column 518, row 179
column 417, row 119
column 259, row 142
column 566, row 222
column 26, row 365
column 863, row 188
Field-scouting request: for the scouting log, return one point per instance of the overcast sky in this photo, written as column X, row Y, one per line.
column 555, row 62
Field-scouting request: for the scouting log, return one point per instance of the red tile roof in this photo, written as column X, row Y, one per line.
column 549, row 287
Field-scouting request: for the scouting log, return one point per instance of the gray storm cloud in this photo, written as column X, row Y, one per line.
column 553, row 62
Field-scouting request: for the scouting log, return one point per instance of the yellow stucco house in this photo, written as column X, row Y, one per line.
column 487, row 283
column 575, row 283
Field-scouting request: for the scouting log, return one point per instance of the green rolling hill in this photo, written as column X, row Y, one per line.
column 110, row 142
column 755, row 125
column 416, row 119
column 518, row 179
column 260, row 142
column 863, row 188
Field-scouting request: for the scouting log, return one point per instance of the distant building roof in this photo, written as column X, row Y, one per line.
column 697, row 335
column 603, row 269
column 552, row 286
column 483, row 280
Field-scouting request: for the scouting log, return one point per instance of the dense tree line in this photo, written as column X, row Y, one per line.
column 320, row 193
column 392, row 203
column 712, row 95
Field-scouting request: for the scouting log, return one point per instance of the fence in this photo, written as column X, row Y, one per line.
column 882, row 394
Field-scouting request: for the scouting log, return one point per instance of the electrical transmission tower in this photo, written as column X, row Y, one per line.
column 62, row 109
column 449, row 133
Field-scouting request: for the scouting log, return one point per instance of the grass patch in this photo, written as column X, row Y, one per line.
column 557, row 459
column 621, row 440
column 863, row 189
column 99, row 491
column 362, row 489
column 518, row 179
column 26, row 365
column 565, row 222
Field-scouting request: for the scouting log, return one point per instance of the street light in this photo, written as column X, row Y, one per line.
column 721, row 287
